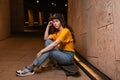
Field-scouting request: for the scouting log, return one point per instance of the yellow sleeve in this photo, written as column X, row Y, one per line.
column 63, row 35
column 53, row 36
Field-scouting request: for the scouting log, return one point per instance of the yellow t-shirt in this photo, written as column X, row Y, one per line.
column 66, row 39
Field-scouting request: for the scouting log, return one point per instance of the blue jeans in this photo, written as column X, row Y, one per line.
column 62, row 57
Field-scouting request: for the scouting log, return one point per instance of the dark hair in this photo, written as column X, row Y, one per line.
column 64, row 24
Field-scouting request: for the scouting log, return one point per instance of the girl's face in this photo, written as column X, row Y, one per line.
column 57, row 24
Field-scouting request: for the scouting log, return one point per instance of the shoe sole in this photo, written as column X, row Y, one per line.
column 17, row 72
column 27, row 74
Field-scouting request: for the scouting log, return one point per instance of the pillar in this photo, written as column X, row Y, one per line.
column 4, row 19
column 17, row 16
column 30, row 18
column 40, row 18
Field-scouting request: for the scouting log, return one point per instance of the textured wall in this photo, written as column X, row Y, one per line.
column 4, row 19
column 96, row 26
column 116, row 12
column 17, row 15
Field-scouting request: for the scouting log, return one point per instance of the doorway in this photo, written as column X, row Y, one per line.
column 37, row 13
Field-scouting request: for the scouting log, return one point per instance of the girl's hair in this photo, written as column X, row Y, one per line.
column 64, row 24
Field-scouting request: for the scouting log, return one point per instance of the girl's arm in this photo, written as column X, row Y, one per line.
column 48, row 48
column 46, row 35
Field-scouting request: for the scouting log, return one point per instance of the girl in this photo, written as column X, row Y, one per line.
column 59, row 45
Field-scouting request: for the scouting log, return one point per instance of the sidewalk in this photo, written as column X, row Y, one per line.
column 19, row 51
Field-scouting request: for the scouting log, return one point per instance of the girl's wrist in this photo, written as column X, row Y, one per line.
column 41, row 51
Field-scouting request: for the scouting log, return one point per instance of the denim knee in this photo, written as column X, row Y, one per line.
column 47, row 42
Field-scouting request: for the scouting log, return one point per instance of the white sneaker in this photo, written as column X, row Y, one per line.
column 24, row 72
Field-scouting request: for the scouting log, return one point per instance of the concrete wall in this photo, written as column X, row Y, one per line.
column 17, row 16
column 4, row 19
column 11, row 17
column 116, row 12
column 96, row 26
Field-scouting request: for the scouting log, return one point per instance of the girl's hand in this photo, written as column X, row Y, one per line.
column 50, row 23
column 38, row 55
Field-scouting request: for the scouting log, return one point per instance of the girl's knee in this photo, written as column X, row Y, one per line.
column 47, row 42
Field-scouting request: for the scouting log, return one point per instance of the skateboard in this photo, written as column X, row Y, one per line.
column 71, row 70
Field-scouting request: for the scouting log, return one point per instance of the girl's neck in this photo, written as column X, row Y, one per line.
column 60, row 28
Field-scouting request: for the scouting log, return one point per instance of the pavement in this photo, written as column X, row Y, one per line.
column 17, row 51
